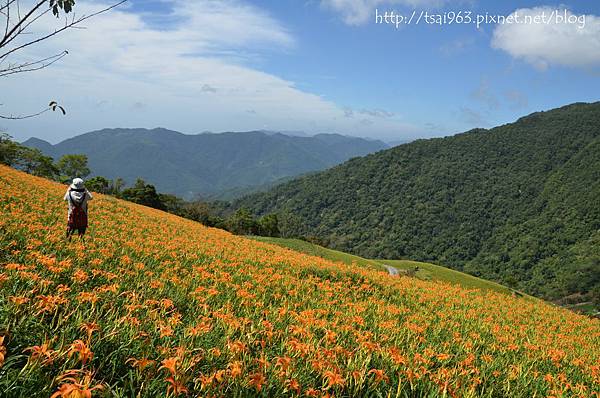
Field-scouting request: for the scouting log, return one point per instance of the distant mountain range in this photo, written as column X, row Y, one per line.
column 207, row 164
column 518, row 204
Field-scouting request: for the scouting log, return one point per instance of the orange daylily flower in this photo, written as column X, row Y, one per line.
column 89, row 328
column 257, row 380
column 175, row 387
column 170, row 364
column 333, row 379
column 2, row 351
column 42, row 353
column 76, row 384
column 379, row 375
column 82, row 350
column 141, row 363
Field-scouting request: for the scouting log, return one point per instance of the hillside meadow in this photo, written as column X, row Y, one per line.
column 155, row 305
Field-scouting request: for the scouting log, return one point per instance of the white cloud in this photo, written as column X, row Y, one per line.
column 472, row 117
column 457, row 46
column 551, row 43
column 484, row 94
column 192, row 75
column 516, row 99
column 372, row 113
column 358, row 12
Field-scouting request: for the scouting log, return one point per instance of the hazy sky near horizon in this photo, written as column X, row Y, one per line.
column 318, row 66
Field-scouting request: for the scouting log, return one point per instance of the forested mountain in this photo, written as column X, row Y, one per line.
column 206, row 164
column 519, row 203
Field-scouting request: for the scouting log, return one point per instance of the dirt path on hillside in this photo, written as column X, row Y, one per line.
column 392, row 270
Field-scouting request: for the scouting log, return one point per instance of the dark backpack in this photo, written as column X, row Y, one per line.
column 78, row 217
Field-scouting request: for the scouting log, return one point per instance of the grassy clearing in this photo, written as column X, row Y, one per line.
column 438, row 273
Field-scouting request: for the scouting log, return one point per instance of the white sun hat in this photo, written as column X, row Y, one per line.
column 77, row 183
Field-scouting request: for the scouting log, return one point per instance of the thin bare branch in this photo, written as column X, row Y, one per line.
column 23, row 28
column 21, row 117
column 21, row 21
column 34, row 20
column 7, row 5
column 70, row 25
column 32, row 66
column 7, row 14
column 13, row 30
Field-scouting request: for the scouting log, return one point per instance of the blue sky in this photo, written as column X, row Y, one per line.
column 314, row 66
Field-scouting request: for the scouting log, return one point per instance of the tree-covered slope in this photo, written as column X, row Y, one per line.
column 557, row 243
column 513, row 203
column 207, row 164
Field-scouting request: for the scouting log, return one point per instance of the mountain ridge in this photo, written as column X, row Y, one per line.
column 206, row 163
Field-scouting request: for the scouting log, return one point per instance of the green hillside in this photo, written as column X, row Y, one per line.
column 425, row 271
column 517, row 204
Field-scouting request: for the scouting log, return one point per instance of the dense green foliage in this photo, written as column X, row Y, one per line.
column 34, row 161
column 210, row 165
column 72, row 166
column 99, row 184
column 30, row 160
column 8, row 149
column 517, row 204
column 143, row 194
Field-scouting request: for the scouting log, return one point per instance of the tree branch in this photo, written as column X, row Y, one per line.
column 8, row 4
column 32, row 66
column 7, row 9
column 24, row 117
column 68, row 26
column 21, row 21
column 52, row 106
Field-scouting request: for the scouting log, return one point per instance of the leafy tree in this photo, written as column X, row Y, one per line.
column 289, row 225
column 30, row 160
column 268, row 225
column 9, row 150
column 171, row 203
column 99, row 184
column 143, row 194
column 595, row 294
column 242, row 223
column 117, row 186
column 510, row 281
column 33, row 161
column 73, row 166
column 199, row 211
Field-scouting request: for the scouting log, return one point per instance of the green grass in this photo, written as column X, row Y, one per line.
column 319, row 251
column 583, row 308
column 426, row 271
column 438, row 273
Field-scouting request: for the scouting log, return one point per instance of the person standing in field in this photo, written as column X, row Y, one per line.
column 77, row 197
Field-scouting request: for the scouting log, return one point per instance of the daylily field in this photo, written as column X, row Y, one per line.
column 154, row 305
